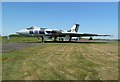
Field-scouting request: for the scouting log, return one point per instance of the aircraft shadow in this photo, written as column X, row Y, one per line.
column 73, row 42
column 70, row 42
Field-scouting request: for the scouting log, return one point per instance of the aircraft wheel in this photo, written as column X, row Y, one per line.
column 90, row 38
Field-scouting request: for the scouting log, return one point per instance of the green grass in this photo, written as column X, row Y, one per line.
column 62, row 61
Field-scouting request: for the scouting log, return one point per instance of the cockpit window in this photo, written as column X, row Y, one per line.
column 30, row 28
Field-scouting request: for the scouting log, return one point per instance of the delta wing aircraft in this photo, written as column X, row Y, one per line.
column 50, row 33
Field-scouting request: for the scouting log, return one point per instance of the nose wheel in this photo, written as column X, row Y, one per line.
column 42, row 38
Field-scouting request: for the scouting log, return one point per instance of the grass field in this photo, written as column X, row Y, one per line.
column 62, row 61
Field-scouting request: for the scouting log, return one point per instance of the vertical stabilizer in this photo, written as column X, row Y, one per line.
column 74, row 28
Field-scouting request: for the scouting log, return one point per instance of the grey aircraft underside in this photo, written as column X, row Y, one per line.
column 44, row 32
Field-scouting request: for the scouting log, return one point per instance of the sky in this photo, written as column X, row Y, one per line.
column 93, row 17
column 60, row 0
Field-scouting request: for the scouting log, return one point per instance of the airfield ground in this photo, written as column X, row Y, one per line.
column 30, row 60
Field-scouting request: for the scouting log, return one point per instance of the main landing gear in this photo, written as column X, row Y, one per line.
column 90, row 38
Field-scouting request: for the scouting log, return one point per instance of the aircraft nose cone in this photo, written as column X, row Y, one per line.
column 17, row 32
column 20, row 31
column 23, row 32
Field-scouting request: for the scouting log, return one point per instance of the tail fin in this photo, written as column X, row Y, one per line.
column 74, row 28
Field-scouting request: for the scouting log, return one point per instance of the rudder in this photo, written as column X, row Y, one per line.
column 75, row 28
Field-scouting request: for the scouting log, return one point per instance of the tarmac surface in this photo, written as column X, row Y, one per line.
column 9, row 47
